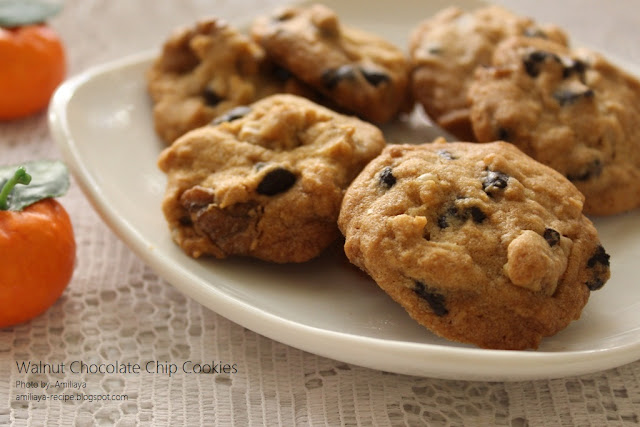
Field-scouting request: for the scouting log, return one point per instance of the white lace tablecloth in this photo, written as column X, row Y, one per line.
column 116, row 308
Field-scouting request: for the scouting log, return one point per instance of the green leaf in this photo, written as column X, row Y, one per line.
column 49, row 178
column 16, row 13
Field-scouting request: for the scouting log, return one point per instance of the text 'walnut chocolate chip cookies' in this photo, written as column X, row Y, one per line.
column 478, row 242
column 361, row 72
column 266, row 181
column 571, row 110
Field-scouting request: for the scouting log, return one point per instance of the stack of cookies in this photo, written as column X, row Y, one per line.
column 274, row 151
column 491, row 75
column 210, row 68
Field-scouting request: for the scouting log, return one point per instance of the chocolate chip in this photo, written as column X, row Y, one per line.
column 453, row 213
column 551, row 236
column 592, row 170
column 532, row 62
column 276, row 181
column 503, row 134
column 446, row 155
column 495, row 181
column 231, row 115
column 211, row 98
column 598, row 264
column 374, row 77
column 282, row 74
column 595, row 284
column 435, row 300
column 386, row 178
column 333, row 76
column 568, row 97
column 185, row 221
column 574, row 66
column 435, row 50
column 442, row 221
column 477, row 214
column 599, row 257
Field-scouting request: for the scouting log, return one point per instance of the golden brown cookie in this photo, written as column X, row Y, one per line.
column 205, row 70
column 266, row 181
column 359, row 71
column 571, row 110
column 446, row 49
column 478, row 242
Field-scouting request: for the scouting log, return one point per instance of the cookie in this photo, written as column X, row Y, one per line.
column 361, row 72
column 571, row 110
column 264, row 181
column 478, row 242
column 447, row 48
column 205, row 70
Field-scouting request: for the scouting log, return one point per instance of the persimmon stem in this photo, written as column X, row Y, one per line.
column 19, row 177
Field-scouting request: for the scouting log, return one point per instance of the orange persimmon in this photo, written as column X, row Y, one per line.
column 32, row 65
column 37, row 243
column 38, row 256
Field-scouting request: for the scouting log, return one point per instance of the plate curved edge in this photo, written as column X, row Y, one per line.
column 400, row 357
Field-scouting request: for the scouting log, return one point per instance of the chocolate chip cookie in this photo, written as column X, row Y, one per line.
column 265, row 180
column 207, row 69
column 571, row 110
column 478, row 242
column 360, row 72
column 447, row 48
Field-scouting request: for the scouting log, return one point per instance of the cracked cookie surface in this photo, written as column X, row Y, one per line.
column 478, row 242
column 266, row 181
column 569, row 109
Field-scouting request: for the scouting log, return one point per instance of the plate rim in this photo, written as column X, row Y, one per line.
column 481, row 364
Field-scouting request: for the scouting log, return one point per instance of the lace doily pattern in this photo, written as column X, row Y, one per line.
column 117, row 309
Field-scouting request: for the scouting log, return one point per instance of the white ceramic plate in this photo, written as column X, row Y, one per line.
column 101, row 120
